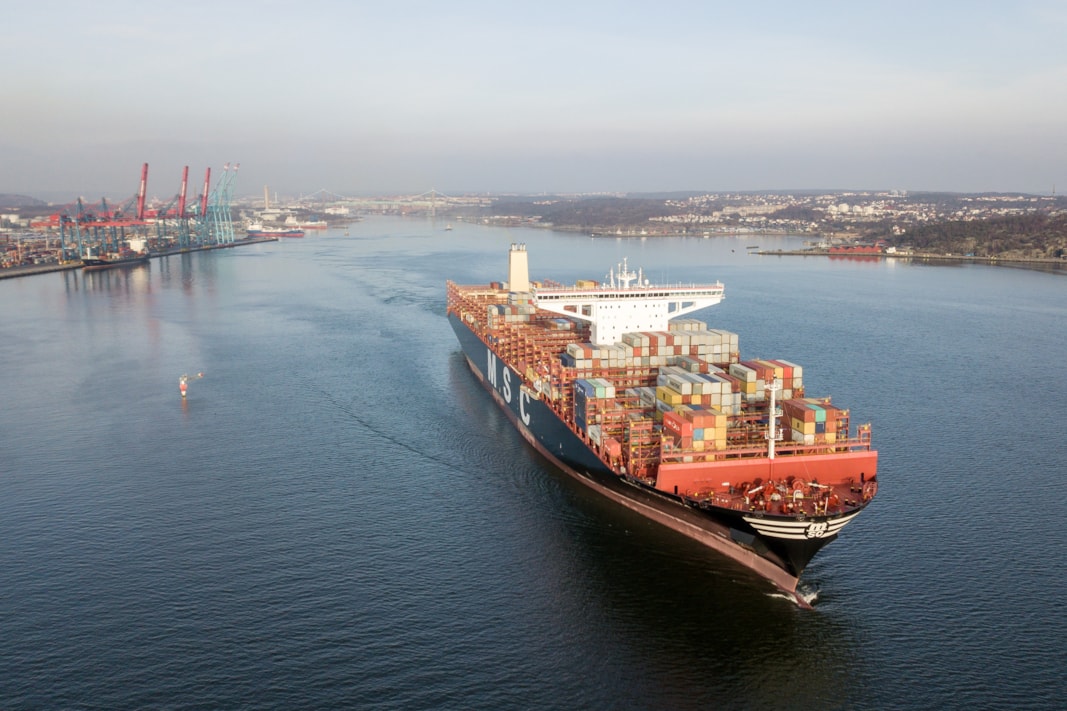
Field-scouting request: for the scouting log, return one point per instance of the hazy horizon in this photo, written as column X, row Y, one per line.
column 475, row 97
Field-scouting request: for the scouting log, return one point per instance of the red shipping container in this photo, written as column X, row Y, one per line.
column 735, row 382
column 677, row 425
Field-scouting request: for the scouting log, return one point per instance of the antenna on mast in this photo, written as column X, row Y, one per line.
column 774, row 434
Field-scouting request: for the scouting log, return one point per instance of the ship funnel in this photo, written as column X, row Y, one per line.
column 518, row 269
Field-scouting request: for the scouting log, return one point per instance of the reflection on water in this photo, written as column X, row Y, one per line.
column 118, row 279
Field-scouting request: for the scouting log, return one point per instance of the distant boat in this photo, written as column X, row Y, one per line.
column 258, row 230
column 183, row 383
column 448, row 228
column 113, row 259
column 316, row 224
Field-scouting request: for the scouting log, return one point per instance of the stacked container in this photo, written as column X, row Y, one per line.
column 756, row 374
column 677, row 386
column 560, row 324
column 500, row 314
column 590, row 395
column 812, row 421
column 690, row 338
column 645, row 395
column 694, row 429
column 693, row 364
column 789, row 374
column 592, row 357
column 752, row 387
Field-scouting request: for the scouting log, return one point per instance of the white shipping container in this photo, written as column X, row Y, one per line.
column 678, row 384
column 742, row 372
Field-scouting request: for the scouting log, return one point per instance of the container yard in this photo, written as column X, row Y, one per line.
column 103, row 235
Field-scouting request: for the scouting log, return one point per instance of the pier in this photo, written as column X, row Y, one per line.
column 30, row 270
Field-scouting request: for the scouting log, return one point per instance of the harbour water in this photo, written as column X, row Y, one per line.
column 338, row 516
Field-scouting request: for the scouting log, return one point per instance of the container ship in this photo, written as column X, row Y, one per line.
column 660, row 413
column 125, row 257
column 109, row 261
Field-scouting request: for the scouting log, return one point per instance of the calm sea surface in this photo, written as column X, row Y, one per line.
column 338, row 516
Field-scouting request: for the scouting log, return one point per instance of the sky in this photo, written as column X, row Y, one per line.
column 401, row 97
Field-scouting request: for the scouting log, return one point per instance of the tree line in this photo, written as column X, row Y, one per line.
column 1019, row 236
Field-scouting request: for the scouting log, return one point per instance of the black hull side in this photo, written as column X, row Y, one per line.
column 720, row 529
column 536, row 418
column 95, row 264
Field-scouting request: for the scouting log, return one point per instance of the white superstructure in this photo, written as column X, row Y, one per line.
column 625, row 304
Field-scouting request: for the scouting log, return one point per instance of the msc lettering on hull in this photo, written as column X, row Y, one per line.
column 502, row 384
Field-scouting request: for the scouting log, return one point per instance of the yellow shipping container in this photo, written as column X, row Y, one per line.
column 668, row 396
